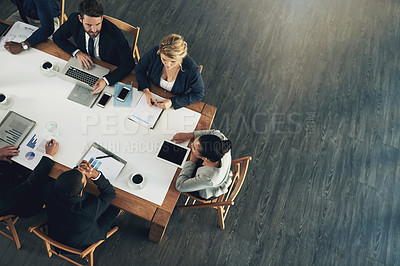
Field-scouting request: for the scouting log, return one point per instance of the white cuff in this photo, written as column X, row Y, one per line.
column 94, row 179
column 48, row 156
column 108, row 83
column 75, row 52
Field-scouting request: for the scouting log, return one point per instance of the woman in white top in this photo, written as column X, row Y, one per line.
column 212, row 178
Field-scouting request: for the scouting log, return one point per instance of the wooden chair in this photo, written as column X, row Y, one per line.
column 134, row 31
column 63, row 16
column 9, row 221
column 200, row 68
column 39, row 230
column 223, row 203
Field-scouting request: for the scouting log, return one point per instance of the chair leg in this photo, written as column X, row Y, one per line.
column 10, row 224
column 48, row 249
column 91, row 258
column 221, row 217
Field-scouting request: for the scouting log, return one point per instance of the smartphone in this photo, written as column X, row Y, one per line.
column 123, row 94
column 105, row 98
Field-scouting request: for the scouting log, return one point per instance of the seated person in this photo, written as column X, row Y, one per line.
column 96, row 37
column 24, row 200
column 169, row 67
column 41, row 13
column 212, row 177
column 77, row 218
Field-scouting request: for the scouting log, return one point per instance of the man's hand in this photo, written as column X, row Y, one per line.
column 13, row 47
column 89, row 171
column 164, row 104
column 151, row 101
column 85, row 59
column 51, row 147
column 99, row 86
column 182, row 137
column 7, row 152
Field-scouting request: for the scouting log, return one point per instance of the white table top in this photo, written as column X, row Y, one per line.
column 43, row 99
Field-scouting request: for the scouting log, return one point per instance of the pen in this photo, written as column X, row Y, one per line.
column 51, row 142
column 102, row 157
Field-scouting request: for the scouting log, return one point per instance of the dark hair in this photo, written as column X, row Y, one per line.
column 213, row 148
column 90, row 8
column 69, row 184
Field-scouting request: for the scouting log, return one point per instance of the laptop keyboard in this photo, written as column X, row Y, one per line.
column 81, row 76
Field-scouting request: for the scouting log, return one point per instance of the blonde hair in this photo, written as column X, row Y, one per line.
column 173, row 46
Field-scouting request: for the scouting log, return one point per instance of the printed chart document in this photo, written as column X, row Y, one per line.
column 144, row 114
column 105, row 161
column 31, row 150
column 14, row 128
column 19, row 32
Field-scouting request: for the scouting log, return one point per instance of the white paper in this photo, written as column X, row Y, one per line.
column 144, row 114
column 19, row 32
column 31, row 150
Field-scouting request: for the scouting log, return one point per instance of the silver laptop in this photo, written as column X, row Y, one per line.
column 84, row 80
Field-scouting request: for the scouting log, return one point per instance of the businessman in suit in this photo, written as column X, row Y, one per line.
column 77, row 218
column 95, row 37
column 24, row 200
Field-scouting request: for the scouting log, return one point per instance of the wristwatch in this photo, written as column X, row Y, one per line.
column 24, row 46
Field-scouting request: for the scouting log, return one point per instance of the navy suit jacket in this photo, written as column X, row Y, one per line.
column 188, row 87
column 113, row 47
column 45, row 11
column 24, row 199
column 74, row 221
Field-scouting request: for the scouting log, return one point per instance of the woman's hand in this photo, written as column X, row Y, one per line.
column 164, row 104
column 182, row 137
column 151, row 101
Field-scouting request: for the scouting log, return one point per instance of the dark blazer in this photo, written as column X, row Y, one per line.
column 45, row 11
column 188, row 87
column 74, row 221
column 24, row 199
column 113, row 47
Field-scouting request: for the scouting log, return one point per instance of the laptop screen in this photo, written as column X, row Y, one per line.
column 3, row 28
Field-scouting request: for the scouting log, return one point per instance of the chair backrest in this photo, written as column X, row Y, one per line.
column 63, row 16
column 9, row 221
column 239, row 174
column 39, row 230
column 134, row 31
column 200, row 68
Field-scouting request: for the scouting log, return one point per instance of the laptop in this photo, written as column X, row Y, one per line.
column 3, row 28
column 84, row 79
column 14, row 128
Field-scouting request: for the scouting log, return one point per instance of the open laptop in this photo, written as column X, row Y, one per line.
column 84, row 80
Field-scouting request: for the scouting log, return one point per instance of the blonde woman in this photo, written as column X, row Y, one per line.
column 169, row 67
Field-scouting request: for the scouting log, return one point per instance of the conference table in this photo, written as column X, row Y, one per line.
column 157, row 214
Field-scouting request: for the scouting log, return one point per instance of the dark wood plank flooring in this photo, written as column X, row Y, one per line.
column 310, row 89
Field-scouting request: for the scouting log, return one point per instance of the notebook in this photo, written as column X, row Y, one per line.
column 146, row 115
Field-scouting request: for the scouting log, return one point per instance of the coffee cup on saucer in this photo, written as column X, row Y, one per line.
column 48, row 68
column 137, row 181
column 5, row 101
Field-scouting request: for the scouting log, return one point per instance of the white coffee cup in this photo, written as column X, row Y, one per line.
column 47, row 68
column 137, row 181
column 5, row 101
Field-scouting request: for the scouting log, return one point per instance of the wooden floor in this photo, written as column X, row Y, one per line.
column 310, row 89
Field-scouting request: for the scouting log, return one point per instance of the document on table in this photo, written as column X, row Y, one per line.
column 19, row 32
column 144, row 114
column 105, row 161
column 31, row 150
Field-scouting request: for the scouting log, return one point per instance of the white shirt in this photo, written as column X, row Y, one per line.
column 166, row 85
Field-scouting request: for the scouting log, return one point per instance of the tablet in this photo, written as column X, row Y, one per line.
column 3, row 28
column 14, row 128
column 173, row 153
